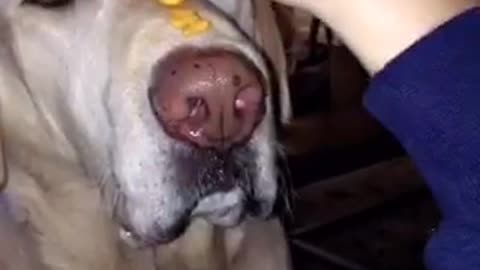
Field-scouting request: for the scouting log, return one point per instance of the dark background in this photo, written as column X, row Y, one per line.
column 358, row 201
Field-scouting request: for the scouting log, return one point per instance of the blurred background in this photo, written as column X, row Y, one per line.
column 358, row 201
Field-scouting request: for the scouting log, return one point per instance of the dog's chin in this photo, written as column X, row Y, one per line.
column 223, row 209
column 142, row 242
column 216, row 187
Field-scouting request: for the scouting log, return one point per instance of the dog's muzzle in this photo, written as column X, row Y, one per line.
column 209, row 101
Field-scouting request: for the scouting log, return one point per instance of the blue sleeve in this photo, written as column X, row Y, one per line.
column 429, row 98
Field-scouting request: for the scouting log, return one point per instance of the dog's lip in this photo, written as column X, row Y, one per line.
column 128, row 237
column 134, row 240
column 222, row 209
column 219, row 201
column 228, row 216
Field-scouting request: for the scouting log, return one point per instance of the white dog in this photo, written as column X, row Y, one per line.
column 128, row 145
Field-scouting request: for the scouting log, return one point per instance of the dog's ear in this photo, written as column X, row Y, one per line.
column 241, row 12
column 269, row 38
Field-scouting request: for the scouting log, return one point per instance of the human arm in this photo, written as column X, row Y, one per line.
column 429, row 98
column 426, row 90
column 378, row 30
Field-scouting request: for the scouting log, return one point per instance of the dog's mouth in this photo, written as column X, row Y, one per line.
column 211, row 103
column 217, row 187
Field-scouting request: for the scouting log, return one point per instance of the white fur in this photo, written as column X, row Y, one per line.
column 76, row 121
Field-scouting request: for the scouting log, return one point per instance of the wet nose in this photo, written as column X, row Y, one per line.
column 211, row 98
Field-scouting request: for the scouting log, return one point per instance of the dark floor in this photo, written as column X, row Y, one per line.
column 390, row 236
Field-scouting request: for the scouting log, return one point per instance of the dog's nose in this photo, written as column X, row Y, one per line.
column 211, row 98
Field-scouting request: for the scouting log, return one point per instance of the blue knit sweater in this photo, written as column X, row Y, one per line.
column 429, row 98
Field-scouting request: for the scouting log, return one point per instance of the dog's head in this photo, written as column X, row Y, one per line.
column 172, row 127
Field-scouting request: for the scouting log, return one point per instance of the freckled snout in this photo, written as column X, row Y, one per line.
column 211, row 98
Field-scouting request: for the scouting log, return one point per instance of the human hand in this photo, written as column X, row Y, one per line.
column 379, row 30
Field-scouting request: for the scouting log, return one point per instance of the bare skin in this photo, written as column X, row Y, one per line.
column 377, row 30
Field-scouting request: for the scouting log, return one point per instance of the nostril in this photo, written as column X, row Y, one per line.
column 197, row 107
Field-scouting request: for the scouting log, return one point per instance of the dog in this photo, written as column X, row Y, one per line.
column 128, row 145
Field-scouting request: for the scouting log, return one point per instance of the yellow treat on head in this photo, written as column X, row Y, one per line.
column 182, row 12
column 185, row 21
column 171, row 2
column 197, row 28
